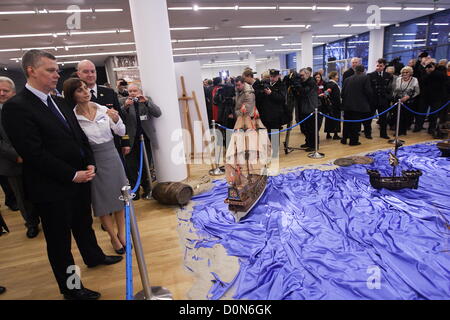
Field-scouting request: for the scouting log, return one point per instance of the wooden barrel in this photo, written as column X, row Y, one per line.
column 172, row 193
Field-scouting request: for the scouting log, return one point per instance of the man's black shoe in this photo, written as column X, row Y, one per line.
column 81, row 294
column 369, row 137
column 354, row 143
column 417, row 129
column 108, row 260
column 385, row 136
column 12, row 206
column 304, row 146
column 2, row 290
column 336, row 137
column 32, row 232
column 344, row 141
column 310, row 149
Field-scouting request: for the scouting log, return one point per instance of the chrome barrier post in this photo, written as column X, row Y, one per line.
column 147, row 169
column 218, row 171
column 316, row 154
column 397, row 141
column 148, row 292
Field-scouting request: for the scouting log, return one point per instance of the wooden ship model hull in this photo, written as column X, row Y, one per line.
column 247, row 159
column 408, row 179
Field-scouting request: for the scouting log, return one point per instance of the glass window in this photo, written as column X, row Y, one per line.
column 318, row 58
column 439, row 33
column 410, row 38
column 407, row 35
column 358, row 46
column 335, row 50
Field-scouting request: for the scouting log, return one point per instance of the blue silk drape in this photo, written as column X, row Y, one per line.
column 329, row 235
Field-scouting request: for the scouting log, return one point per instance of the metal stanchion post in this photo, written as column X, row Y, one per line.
column 148, row 292
column 218, row 171
column 147, row 169
column 316, row 154
column 396, row 141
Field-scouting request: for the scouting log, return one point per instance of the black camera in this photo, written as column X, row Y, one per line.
column 136, row 100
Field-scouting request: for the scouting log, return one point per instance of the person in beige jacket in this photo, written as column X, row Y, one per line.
column 245, row 97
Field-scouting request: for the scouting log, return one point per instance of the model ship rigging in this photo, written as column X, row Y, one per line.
column 408, row 179
column 247, row 159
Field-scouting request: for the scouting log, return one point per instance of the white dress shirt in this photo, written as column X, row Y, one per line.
column 43, row 97
column 99, row 130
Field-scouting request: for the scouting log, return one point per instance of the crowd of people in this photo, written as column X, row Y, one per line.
column 423, row 85
column 66, row 155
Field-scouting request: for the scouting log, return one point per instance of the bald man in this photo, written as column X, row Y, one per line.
column 355, row 61
column 104, row 96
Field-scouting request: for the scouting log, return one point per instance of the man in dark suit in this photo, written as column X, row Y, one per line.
column 106, row 97
column 381, row 83
column 356, row 95
column 11, row 165
column 57, row 167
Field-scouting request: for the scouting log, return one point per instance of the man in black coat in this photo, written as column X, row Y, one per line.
column 356, row 95
column 273, row 102
column 106, row 97
column 306, row 91
column 435, row 96
column 381, row 83
column 57, row 167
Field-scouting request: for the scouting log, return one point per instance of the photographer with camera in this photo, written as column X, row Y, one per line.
column 306, row 90
column 272, row 109
column 139, row 110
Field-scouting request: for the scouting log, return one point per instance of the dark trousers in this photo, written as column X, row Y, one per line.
column 406, row 117
column 61, row 219
column 433, row 118
column 333, row 126
column 382, row 121
column 308, row 127
column 25, row 206
column 133, row 161
column 10, row 198
column 351, row 129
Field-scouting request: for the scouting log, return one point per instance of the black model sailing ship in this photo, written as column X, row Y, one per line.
column 408, row 179
column 247, row 159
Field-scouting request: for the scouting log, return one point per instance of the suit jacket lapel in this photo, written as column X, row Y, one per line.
column 45, row 109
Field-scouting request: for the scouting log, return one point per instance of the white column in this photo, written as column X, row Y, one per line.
column 252, row 61
column 154, row 50
column 299, row 60
column 307, row 49
column 376, row 46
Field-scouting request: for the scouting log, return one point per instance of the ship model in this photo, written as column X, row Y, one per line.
column 408, row 179
column 247, row 160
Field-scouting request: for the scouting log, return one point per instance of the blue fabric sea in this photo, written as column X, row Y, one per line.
column 329, row 235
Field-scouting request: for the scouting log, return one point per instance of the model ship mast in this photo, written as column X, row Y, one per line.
column 247, row 159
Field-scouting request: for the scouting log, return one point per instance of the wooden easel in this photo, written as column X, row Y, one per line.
column 188, row 121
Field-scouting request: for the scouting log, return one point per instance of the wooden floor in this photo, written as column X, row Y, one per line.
column 26, row 272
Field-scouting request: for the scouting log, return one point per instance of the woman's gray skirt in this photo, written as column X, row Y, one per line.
column 109, row 179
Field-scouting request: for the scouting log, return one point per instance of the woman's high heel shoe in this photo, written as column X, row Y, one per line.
column 124, row 244
column 118, row 251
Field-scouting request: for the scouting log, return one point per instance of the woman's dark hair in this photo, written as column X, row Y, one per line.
column 318, row 73
column 69, row 87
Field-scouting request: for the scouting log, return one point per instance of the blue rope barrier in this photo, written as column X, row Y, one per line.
column 138, row 183
column 277, row 132
column 360, row 120
column 129, row 261
column 426, row 114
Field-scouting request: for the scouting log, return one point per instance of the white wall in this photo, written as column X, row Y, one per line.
column 261, row 66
